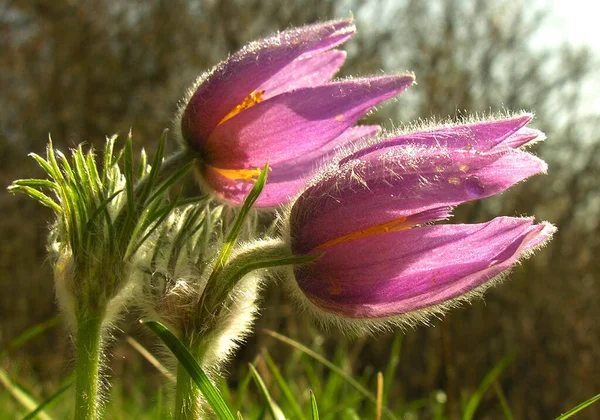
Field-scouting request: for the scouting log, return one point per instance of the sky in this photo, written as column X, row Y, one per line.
column 577, row 21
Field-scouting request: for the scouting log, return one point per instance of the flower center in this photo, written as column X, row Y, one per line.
column 392, row 226
column 251, row 100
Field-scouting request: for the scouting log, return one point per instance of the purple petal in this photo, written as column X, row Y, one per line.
column 397, row 183
column 231, row 81
column 297, row 122
column 235, row 191
column 484, row 136
column 303, row 165
column 525, row 136
column 401, row 272
column 287, row 179
column 311, row 70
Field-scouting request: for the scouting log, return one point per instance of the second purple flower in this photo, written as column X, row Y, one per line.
column 370, row 214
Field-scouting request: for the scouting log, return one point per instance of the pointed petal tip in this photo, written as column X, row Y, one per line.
column 525, row 116
column 541, row 235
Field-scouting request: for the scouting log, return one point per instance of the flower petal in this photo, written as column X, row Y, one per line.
column 235, row 191
column 311, row 70
column 401, row 272
column 297, row 122
column 287, row 179
column 302, row 165
column 395, row 183
column 483, row 136
column 231, row 81
column 524, row 137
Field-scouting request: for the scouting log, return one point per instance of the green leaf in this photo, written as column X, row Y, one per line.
column 108, row 158
column 579, row 407
column 143, row 166
column 313, row 406
column 159, row 194
column 332, row 367
column 487, row 382
column 163, row 214
column 129, row 177
column 239, row 221
column 46, row 166
column 49, row 400
column 274, row 409
column 285, row 389
column 212, row 395
column 90, row 162
column 154, row 171
column 38, row 196
column 35, row 183
column 102, row 208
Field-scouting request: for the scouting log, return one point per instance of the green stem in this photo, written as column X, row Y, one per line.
column 188, row 404
column 87, row 369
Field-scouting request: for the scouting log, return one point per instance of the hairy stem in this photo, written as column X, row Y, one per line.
column 188, row 398
column 87, row 376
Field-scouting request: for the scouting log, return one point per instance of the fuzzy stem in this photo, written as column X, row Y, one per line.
column 188, row 398
column 87, row 374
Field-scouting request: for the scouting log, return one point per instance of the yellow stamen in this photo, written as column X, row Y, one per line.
column 393, row 226
column 251, row 100
column 245, row 174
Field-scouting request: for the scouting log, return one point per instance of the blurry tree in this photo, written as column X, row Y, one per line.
column 84, row 69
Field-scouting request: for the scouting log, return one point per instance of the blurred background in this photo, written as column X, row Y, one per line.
column 81, row 70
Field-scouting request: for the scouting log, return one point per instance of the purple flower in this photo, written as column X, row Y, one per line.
column 365, row 215
column 274, row 101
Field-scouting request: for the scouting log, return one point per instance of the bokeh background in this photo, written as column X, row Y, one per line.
column 81, row 70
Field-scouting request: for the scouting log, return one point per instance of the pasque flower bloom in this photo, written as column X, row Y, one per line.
column 366, row 213
column 274, row 101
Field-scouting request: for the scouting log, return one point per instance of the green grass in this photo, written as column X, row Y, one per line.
column 303, row 385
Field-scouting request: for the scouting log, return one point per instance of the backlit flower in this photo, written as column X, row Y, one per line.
column 274, row 101
column 366, row 216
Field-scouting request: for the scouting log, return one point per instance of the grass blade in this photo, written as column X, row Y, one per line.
column 242, row 389
column 379, row 396
column 285, row 389
column 29, row 334
column 212, row 395
column 579, row 407
column 19, row 394
column 150, row 358
column 48, row 401
column 487, row 382
column 313, row 406
column 332, row 367
column 274, row 409
column 503, row 402
column 392, row 366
